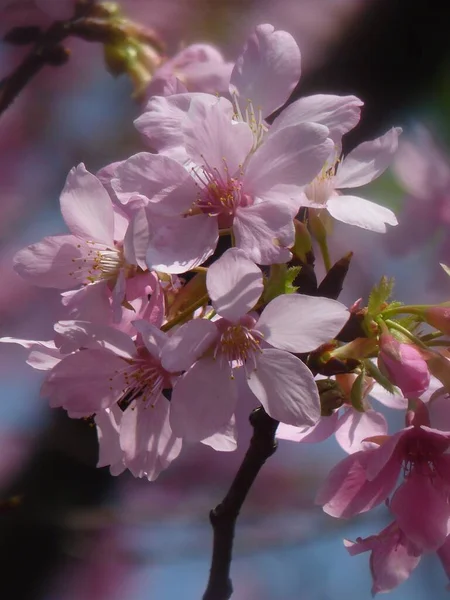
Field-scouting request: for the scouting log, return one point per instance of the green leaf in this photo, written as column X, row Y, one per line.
column 280, row 281
column 357, row 392
column 375, row 372
column 380, row 295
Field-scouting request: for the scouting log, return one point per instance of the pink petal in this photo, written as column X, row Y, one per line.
column 180, row 244
column 386, row 454
column 444, row 556
column 361, row 213
column 392, row 561
column 368, row 160
column 339, row 113
column 396, row 400
column 203, row 400
column 214, row 141
column 265, row 232
column 267, row 70
column 293, row 155
column 147, row 440
column 86, row 207
column 187, row 344
column 319, row 432
column 43, row 359
column 163, row 185
column 89, row 303
column 300, row 323
column 347, row 492
column 153, row 338
column 50, row 262
column 353, row 427
column 137, row 238
column 86, row 382
column 426, row 520
column 110, row 453
column 161, row 123
column 224, row 440
column 73, row 335
column 286, row 388
column 234, row 284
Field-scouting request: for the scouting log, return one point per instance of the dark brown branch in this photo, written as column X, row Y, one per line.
column 46, row 51
column 223, row 518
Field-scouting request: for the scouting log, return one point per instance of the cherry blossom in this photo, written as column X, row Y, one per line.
column 364, row 164
column 205, row 396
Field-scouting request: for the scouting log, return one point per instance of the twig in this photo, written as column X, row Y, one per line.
column 223, row 518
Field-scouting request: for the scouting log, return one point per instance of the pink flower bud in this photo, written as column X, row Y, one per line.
column 404, row 365
column 439, row 317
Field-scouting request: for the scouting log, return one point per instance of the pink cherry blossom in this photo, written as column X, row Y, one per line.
column 393, row 557
column 254, row 192
column 367, row 478
column 263, row 78
column 404, row 365
column 364, row 164
column 197, row 68
column 350, row 426
column 110, row 367
column 205, row 396
column 96, row 250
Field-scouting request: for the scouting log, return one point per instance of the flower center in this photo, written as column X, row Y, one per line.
column 145, row 379
column 99, row 263
column 239, row 346
column 322, row 187
column 220, row 193
column 254, row 119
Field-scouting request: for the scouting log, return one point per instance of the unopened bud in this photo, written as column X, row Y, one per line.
column 302, row 247
column 439, row 317
column 404, row 365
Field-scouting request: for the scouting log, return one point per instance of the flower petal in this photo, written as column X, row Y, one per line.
column 224, row 440
column 110, row 453
column 361, row 213
column 265, row 232
column 73, row 335
column 163, row 185
column 50, row 262
column 161, row 123
column 234, row 284
column 153, row 338
column 347, row 492
column 85, row 382
column 300, row 323
column 293, row 155
column 203, row 400
column 213, row 140
column 319, row 432
column 286, row 388
column 147, row 440
column 187, row 344
column 338, row 113
column 353, row 427
column 426, row 520
column 86, row 207
column 267, row 70
column 368, row 160
column 180, row 244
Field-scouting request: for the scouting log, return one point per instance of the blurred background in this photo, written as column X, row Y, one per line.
column 69, row 531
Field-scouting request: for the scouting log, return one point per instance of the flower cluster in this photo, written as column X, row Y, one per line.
column 184, row 275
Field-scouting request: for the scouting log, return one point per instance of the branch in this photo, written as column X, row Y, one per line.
column 223, row 518
column 46, row 51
